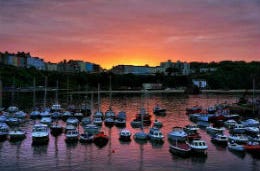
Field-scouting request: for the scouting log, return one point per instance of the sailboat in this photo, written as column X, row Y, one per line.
column 141, row 135
column 98, row 113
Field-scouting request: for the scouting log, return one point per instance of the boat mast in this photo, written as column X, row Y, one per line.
column 34, row 92
column 56, row 94
column 253, row 96
column 45, row 92
column 110, row 92
column 98, row 98
column 1, row 93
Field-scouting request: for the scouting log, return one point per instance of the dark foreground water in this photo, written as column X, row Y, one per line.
column 58, row 155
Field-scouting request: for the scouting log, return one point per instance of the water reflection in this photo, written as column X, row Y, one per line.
column 39, row 150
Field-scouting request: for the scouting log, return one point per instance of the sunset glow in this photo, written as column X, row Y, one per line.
column 134, row 32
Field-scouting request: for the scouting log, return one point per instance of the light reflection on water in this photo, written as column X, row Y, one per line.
column 117, row 155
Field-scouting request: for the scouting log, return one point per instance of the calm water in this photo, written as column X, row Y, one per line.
column 127, row 156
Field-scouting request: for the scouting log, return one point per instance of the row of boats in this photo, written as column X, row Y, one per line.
column 243, row 135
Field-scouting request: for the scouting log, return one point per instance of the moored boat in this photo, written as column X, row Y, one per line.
column 155, row 134
column 16, row 135
column 177, row 134
column 125, row 135
column 198, row 147
column 86, row 137
column 220, row 139
column 100, row 139
column 40, row 134
column 181, row 149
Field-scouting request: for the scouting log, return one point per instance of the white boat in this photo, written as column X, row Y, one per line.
column 86, row 137
column 46, row 120
column 125, row 135
column 69, row 127
column 91, row 128
column 155, row 134
column 72, row 121
column 16, row 135
column 215, row 130
column 4, row 131
column 220, row 139
column 177, row 134
column 72, row 136
column 199, row 147
column 235, row 147
column 40, row 134
column 241, row 139
column 230, row 123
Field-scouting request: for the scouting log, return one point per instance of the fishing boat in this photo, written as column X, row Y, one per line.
column 109, row 122
column 40, row 134
column 238, row 129
column 241, row 139
column 220, row 139
column 72, row 136
column 230, row 123
column 155, row 134
column 69, row 127
column 91, row 128
column 16, row 135
column 157, row 110
column 98, row 121
column 252, row 147
column 232, row 146
column 215, row 130
column 181, row 149
column 100, row 139
column 125, row 135
column 4, row 131
column 198, row 147
column 193, row 109
column 85, row 121
column 177, row 134
column 86, row 137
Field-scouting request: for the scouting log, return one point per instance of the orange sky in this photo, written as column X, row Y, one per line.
column 134, row 32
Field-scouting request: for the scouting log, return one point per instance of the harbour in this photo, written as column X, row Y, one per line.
column 131, row 155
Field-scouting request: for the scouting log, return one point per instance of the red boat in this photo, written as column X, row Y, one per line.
column 194, row 109
column 252, row 147
column 100, row 139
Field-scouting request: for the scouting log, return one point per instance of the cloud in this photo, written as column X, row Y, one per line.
column 114, row 28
